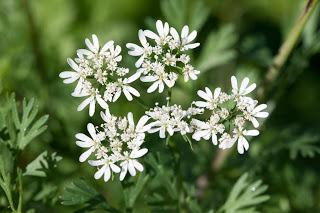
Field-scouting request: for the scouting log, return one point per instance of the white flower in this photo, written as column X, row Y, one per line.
column 94, row 97
column 86, row 142
column 212, row 100
column 169, row 119
column 190, row 72
column 136, row 50
column 131, row 164
column 94, row 47
column 159, row 81
column 106, row 169
column 256, row 112
column 186, row 38
column 207, row 130
column 163, row 31
column 244, row 88
column 226, row 141
column 72, row 76
column 243, row 144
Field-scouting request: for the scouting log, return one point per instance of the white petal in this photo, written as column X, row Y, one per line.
column 259, row 108
column 115, row 168
column 107, row 174
column 149, row 78
column 174, row 34
column 102, row 102
column 83, row 137
column 191, row 46
column 123, row 171
column 142, row 38
column 138, row 153
column 73, row 64
column 132, row 78
column 214, row 139
column 253, row 132
column 85, row 103
column 116, row 95
column 95, row 42
column 84, row 156
column 83, row 144
column 151, row 34
column 131, row 168
column 142, row 121
column 185, row 31
column 130, row 120
column 242, row 145
column 162, row 132
column 107, row 46
column 138, row 166
column 133, row 91
column 202, row 104
column 97, row 162
column 159, row 27
column 192, row 36
column 216, row 93
column 153, row 87
column 234, row 83
column 92, row 108
column 92, row 131
column 127, row 94
column 255, row 122
column 249, row 89
column 100, row 172
column 244, row 84
column 261, row 114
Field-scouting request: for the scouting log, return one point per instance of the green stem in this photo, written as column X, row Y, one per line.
column 274, row 70
column 19, row 210
column 5, row 185
column 288, row 45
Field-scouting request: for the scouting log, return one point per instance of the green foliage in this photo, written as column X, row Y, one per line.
column 185, row 12
column 24, row 129
column 42, row 165
column 79, row 192
column 245, row 196
column 16, row 133
column 306, row 145
column 218, row 48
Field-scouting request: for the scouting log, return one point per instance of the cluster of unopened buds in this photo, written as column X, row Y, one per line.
column 116, row 145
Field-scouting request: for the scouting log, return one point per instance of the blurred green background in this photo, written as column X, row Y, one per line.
column 237, row 37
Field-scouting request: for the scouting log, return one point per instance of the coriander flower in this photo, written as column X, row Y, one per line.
column 211, row 100
column 106, row 168
column 254, row 112
column 169, row 119
column 207, row 130
column 131, row 163
column 185, row 40
column 86, row 142
column 243, row 144
column 162, row 57
column 226, row 123
column 244, row 89
column 100, row 78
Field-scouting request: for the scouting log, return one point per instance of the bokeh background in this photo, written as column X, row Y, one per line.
column 237, row 37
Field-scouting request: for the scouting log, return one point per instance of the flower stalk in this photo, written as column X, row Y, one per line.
column 275, row 68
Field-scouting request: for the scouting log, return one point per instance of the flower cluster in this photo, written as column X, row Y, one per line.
column 230, row 116
column 116, row 145
column 100, row 78
column 171, row 119
column 162, row 56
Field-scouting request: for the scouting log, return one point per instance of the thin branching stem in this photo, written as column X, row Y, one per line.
column 275, row 68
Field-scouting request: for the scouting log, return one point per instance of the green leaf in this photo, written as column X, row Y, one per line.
column 245, row 196
column 218, row 48
column 6, row 162
column 183, row 12
column 306, row 145
column 79, row 192
column 132, row 193
column 42, row 164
